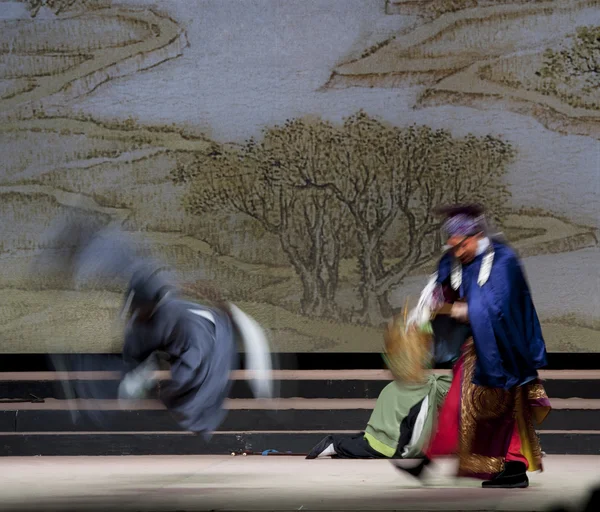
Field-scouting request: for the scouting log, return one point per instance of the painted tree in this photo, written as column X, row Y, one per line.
column 311, row 224
column 317, row 185
column 573, row 72
column 387, row 176
column 581, row 60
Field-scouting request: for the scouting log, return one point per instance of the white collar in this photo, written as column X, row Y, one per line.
column 204, row 313
column 482, row 246
column 486, row 265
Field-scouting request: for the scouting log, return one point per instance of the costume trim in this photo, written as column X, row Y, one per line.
column 380, row 447
column 484, row 271
column 486, row 266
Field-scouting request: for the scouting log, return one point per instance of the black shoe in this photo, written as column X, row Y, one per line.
column 415, row 471
column 319, row 448
column 513, row 476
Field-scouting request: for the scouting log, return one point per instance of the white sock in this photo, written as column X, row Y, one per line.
column 327, row 452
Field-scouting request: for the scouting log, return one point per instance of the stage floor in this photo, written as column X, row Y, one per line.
column 170, row 484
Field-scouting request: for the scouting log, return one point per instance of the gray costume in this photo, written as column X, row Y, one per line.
column 201, row 351
column 198, row 342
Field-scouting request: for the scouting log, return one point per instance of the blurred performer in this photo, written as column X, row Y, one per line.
column 406, row 410
column 400, row 424
column 199, row 342
column 487, row 417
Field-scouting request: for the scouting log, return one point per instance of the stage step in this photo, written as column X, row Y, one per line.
column 254, row 442
column 36, row 419
column 284, row 414
column 288, row 384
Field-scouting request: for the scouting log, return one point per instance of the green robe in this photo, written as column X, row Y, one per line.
column 394, row 404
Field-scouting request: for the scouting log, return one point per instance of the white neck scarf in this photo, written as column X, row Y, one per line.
column 483, row 246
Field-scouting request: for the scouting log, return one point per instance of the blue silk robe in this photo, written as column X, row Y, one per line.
column 505, row 325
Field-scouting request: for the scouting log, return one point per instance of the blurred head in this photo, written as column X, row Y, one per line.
column 464, row 247
column 464, row 227
column 148, row 287
column 142, row 311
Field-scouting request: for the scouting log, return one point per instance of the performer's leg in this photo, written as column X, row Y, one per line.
column 345, row 447
column 323, row 448
column 445, row 440
column 514, row 474
column 514, row 449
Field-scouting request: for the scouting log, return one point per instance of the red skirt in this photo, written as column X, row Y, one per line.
column 488, row 426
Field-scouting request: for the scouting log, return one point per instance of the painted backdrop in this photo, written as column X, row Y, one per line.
column 289, row 152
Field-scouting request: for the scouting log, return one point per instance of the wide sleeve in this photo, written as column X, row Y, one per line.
column 139, row 343
column 507, row 285
column 519, row 320
column 187, row 343
column 506, row 329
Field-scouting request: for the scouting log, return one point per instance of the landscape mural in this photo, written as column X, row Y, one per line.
column 288, row 153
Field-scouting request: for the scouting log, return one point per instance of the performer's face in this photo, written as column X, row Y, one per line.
column 464, row 247
column 143, row 313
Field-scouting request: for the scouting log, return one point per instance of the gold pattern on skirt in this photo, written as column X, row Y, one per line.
column 467, row 461
column 536, row 391
column 526, row 428
column 489, row 403
column 480, row 404
column 480, row 464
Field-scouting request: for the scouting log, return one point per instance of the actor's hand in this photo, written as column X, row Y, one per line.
column 460, row 311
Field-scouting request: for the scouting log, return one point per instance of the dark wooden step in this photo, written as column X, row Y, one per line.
column 285, row 414
column 107, row 389
column 319, row 375
column 287, row 361
column 288, row 384
column 143, row 421
column 161, row 443
column 285, row 389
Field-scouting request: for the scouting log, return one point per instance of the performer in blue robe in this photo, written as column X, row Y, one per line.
column 487, row 417
column 198, row 342
column 506, row 329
